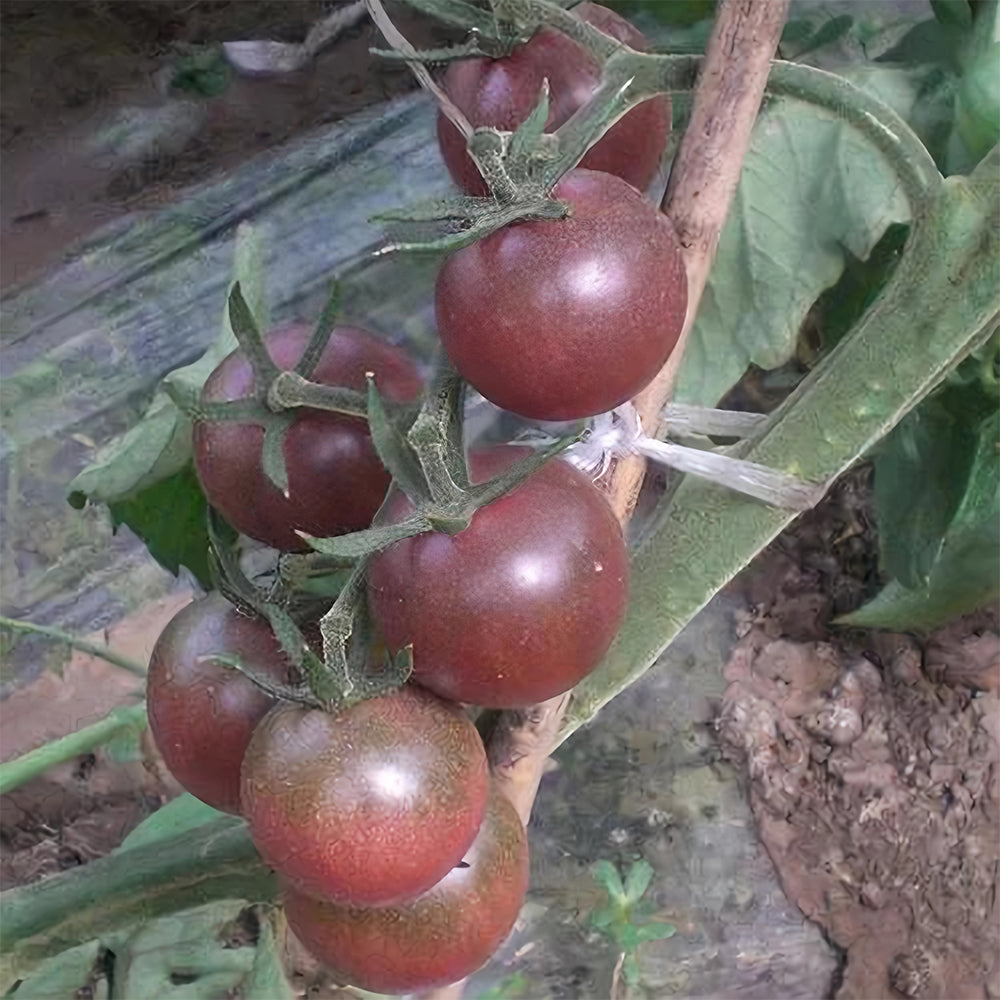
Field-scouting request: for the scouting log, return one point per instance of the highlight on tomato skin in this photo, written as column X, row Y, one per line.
column 502, row 93
column 335, row 479
column 519, row 606
column 560, row 319
column 202, row 713
column 440, row 937
column 371, row 805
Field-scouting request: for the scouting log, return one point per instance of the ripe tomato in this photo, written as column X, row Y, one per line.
column 518, row 606
column 203, row 713
column 370, row 806
column 440, row 937
column 502, row 92
column 567, row 318
column 335, row 479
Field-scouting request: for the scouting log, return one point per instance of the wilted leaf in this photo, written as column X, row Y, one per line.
column 811, row 189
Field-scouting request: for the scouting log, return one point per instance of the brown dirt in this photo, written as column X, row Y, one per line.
column 873, row 766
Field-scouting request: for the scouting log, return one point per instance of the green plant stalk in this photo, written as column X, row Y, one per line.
column 14, row 773
column 90, row 648
column 215, row 861
column 943, row 302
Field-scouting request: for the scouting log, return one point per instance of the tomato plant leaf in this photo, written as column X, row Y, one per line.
column 68, row 974
column 158, row 447
column 170, row 518
column 964, row 574
column 923, row 471
column 811, row 190
column 172, row 820
column 267, row 980
column 210, row 950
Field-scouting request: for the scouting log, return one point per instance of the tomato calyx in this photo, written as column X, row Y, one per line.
column 520, row 167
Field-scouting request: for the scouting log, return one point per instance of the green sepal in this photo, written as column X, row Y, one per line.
column 359, row 544
column 272, row 454
column 321, row 335
column 509, row 479
column 394, row 450
column 248, row 335
column 437, row 436
column 526, row 136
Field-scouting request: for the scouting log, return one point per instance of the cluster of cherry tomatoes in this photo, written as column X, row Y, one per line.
column 403, row 868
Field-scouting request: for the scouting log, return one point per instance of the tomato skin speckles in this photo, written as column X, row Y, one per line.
column 368, row 806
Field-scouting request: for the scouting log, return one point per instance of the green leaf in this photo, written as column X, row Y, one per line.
column 173, row 820
column 159, row 446
column 170, row 517
column 923, row 96
column 840, row 307
column 956, row 12
column 267, row 980
column 965, row 575
column 155, row 448
column 638, row 879
column 68, row 974
column 607, row 875
column 605, row 916
column 922, row 474
column 656, row 932
column 811, row 191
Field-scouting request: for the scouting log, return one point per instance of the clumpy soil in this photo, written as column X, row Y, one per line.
column 872, row 762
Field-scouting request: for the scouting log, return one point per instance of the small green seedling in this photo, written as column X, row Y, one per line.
column 619, row 918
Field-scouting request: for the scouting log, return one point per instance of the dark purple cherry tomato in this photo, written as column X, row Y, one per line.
column 518, row 606
column 561, row 319
column 440, row 937
column 502, row 93
column 335, row 479
column 201, row 712
column 369, row 806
